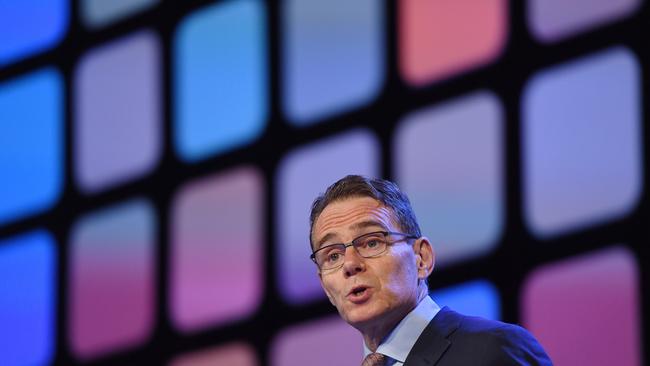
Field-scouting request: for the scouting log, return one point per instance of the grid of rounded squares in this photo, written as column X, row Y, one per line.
column 105, row 289
column 553, row 304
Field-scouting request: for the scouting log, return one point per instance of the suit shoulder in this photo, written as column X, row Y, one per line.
column 501, row 343
column 478, row 325
column 497, row 331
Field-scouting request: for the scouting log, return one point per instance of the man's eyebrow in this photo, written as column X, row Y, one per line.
column 367, row 224
column 324, row 239
column 357, row 226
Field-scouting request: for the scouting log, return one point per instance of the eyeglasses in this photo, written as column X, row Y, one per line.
column 367, row 245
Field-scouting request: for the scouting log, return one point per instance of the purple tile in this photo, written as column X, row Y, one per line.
column 118, row 117
column 217, row 249
column 555, row 20
column 581, row 151
column 305, row 344
column 586, row 310
column 449, row 160
column 302, row 175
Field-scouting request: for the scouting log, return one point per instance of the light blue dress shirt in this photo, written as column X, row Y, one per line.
column 399, row 342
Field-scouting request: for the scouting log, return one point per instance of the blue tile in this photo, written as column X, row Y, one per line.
column 99, row 13
column 31, row 144
column 332, row 56
column 449, row 159
column 220, row 79
column 27, row 299
column 28, row 27
column 475, row 298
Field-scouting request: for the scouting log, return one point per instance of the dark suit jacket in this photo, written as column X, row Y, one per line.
column 452, row 339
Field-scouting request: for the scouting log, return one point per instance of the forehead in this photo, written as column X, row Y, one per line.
column 342, row 215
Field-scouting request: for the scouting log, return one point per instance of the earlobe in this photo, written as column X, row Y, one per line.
column 425, row 257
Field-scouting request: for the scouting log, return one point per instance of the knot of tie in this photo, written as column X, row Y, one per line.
column 374, row 359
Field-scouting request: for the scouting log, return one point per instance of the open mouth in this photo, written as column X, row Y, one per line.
column 359, row 294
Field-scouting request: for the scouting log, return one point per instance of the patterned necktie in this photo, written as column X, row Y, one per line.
column 374, row 359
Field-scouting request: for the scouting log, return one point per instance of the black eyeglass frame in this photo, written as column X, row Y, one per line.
column 356, row 240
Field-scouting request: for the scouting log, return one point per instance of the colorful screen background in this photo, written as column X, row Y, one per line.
column 158, row 159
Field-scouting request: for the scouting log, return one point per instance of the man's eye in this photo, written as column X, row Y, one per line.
column 333, row 257
column 372, row 243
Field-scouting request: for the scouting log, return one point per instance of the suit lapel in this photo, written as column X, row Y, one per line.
column 433, row 341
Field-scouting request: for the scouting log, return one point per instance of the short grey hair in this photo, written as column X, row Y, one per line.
column 384, row 191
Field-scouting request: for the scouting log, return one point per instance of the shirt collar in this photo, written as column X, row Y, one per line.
column 399, row 342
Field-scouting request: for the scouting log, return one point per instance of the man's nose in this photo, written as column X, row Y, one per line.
column 353, row 263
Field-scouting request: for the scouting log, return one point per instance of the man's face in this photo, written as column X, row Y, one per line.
column 367, row 291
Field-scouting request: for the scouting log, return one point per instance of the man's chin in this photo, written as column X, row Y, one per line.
column 360, row 318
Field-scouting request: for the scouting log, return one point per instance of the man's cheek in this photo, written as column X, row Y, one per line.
column 334, row 296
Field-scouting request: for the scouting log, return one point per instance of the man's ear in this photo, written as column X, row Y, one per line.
column 329, row 296
column 425, row 257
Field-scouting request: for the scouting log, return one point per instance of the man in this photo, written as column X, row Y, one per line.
column 373, row 264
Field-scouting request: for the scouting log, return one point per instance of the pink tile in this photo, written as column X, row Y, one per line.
column 237, row 354
column 217, row 249
column 325, row 342
column 585, row 310
column 441, row 38
column 111, row 279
